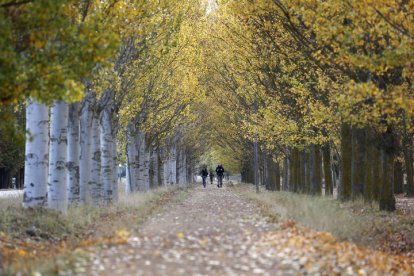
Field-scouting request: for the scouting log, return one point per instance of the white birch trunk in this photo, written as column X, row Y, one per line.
column 107, row 167
column 173, row 166
column 154, row 169
column 95, row 185
column 115, row 193
column 147, row 161
column 73, row 154
column 161, row 168
column 36, row 155
column 57, row 196
column 167, row 173
column 182, row 168
column 128, row 189
column 143, row 163
column 131, row 149
column 85, row 156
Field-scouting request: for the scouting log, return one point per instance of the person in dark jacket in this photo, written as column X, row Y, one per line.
column 204, row 174
column 220, row 174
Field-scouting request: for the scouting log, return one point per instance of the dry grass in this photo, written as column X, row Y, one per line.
column 27, row 237
column 354, row 221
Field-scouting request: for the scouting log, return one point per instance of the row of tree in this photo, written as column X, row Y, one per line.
column 102, row 83
column 324, row 89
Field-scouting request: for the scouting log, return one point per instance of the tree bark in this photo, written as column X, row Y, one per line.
column 387, row 199
column 37, row 155
column 85, row 156
column 377, row 172
column 358, row 162
column 132, row 152
column 106, row 144
column 285, row 180
column 398, row 177
column 346, row 170
column 369, row 166
column 115, row 188
column 95, row 184
column 302, row 170
column 58, row 173
column 327, row 170
column 277, row 175
column 73, row 154
column 408, row 160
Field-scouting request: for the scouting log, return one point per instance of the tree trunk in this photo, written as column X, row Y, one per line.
column 73, row 153
column 344, row 192
column 95, row 185
column 408, row 160
column 369, row 166
column 173, row 166
column 271, row 174
column 302, row 169
column 377, row 172
column 327, row 170
column 277, row 175
column 115, row 190
column 58, row 173
column 285, row 180
column 37, row 155
column 387, row 199
column 160, row 163
column 132, row 156
column 308, row 174
column 398, row 177
column 144, row 159
column 358, row 162
column 85, row 156
column 106, row 144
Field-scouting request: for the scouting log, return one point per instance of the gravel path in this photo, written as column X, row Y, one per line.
column 213, row 232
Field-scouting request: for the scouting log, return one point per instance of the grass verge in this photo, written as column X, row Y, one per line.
column 29, row 237
column 354, row 221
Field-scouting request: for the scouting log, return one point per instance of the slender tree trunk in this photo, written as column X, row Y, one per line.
column 154, row 169
column 408, row 160
column 144, row 160
column 387, row 199
column 173, row 166
column 398, row 177
column 37, row 155
column 58, row 173
column 115, row 190
column 73, row 154
column 277, row 175
column 160, row 163
column 327, row 170
column 312, row 170
column 377, row 172
column 106, row 144
column 271, row 174
column 95, row 185
column 131, row 150
column 285, row 180
column 301, row 182
column 369, row 166
column 358, row 162
column 346, row 170
column 85, row 156
column 308, row 174
column 291, row 172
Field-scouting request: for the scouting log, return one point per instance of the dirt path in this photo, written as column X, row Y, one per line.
column 213, row 232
